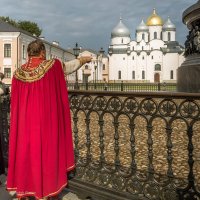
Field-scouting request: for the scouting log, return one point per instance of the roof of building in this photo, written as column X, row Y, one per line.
column 172, row 47
column 85, row 49
column 6, row 27
column 154, row 19
column 142, row 27
column 169, row 26
column 120, row 30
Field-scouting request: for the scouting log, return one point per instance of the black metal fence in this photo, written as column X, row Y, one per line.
column 123, row 86
column 134, row 145
column 4, row 124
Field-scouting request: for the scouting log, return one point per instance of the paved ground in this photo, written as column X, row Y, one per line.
column 4, row 195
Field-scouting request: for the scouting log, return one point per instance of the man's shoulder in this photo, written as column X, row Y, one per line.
column 35, row 73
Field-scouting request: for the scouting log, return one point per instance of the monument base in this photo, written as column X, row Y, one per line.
column 188, row 75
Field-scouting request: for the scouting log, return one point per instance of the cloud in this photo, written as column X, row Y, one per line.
column 90, row 22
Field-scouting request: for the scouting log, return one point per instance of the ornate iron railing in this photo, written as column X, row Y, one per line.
column 124, row 86
column 5, row 124
column 136, row 145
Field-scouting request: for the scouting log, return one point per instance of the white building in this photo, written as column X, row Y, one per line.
column 95, row 71
column 153, row 56
column 13, row 49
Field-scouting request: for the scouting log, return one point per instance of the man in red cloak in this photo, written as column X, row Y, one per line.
column 40, row 145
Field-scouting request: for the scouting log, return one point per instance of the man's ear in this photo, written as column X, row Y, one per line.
column 43, row 54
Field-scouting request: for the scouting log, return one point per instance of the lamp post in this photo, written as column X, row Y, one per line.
column 99, row 60
column 95, row 76
column 76, row 50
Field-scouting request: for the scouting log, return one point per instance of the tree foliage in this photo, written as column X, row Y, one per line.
column 28, row 26
column 31, row 27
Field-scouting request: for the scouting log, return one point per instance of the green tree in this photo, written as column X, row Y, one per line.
column 28, row 26
column 31, row 27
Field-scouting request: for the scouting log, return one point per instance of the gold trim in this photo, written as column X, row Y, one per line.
column 26, row 194
column 34, row 74
column 33, row 193
column 70, row 168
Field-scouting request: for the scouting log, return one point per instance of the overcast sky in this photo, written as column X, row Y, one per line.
column 90, row 22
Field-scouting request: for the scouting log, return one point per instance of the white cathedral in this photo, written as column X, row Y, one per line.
column 153, row 56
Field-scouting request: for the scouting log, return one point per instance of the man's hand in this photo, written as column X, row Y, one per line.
column 85, row 59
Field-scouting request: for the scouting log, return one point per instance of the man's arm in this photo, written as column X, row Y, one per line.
column 73, row 65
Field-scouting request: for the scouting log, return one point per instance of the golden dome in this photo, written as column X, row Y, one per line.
column 154, row 19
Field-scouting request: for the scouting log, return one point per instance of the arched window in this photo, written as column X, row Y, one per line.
column 143, row 36
column 169, row 36
column 23, row 52
column 157, row 67
column 86, row 66
column 133, row 58
column 155, row 35
column 133, row 74
column 133, row 48
column 171, row 74
column 143, row 74
column 119, row 74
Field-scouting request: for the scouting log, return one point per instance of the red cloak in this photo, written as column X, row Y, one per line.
column 40, row 145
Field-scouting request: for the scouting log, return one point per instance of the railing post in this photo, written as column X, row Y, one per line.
column 76, row 86
column 158, row 86
column 122, row 86
column 86, row 86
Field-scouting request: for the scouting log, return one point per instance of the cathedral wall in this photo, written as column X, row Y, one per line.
column 157, row 29
column 120, row 40
column 173, row 36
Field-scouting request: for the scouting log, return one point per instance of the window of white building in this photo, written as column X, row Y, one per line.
column 133, row 57
column 157, row 67
column 122, row 41
column 7, row 72
column 155, row 35
column 171, row 74
column 23, row 52
column 143, row 74
column 143, row 36
column 133, row 48
column 119, row 74
column 152, row 57
column 7, row 50
column 104, row 66
column 133, row 74
column 169, row 36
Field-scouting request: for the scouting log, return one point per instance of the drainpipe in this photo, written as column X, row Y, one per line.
column 18, row 50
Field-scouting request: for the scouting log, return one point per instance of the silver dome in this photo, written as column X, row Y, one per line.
column 120, row 30
column 142, row 27
column 169, row 26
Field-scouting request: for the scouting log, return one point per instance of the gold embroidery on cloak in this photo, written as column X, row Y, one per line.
column 34, row 74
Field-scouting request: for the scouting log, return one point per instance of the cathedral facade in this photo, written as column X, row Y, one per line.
column 153, row 56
